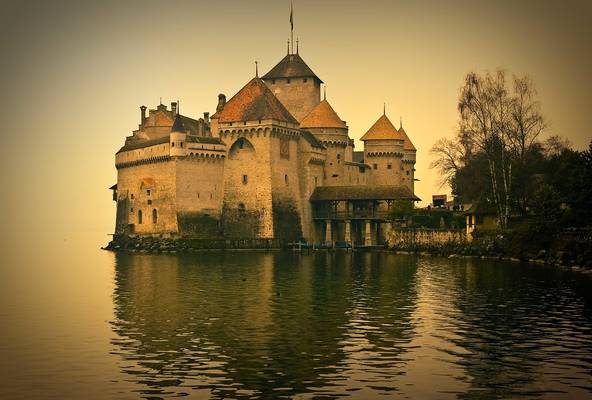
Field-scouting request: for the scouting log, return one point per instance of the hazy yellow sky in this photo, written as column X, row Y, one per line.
column 75, row 73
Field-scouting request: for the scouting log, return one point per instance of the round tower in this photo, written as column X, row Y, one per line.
column 324, row 123
column 178, row 138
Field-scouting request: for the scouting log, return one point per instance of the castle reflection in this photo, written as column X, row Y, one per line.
column 266, row 325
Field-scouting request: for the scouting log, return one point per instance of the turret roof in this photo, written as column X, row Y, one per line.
column 254, row 102
column 178, row 125
column 291, row 66
column 383, row 129
column 408, row 145
column 322, row 116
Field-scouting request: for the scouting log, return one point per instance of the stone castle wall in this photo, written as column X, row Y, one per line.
column 296, row 95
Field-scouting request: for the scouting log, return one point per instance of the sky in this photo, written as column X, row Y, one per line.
column 73, row 75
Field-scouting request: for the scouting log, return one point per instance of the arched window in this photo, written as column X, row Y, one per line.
column 154, row 216
column 139, row 216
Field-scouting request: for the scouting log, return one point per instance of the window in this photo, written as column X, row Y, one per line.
column 286, row 179
column 338, row 158
column 132, row 196
column 173, row 144
column 241, row 207
column 288, row 81
column 132, row 210
column 389, row 166
column 181, row 144
column 139, row 216
column 241, row 144
column 305, row 80
column 407, row 172
column 375, row 166
column 245, row 179
column 149, row 202
column 148, row 192
column 154, row 216
column 316, row 181
column 273, row 81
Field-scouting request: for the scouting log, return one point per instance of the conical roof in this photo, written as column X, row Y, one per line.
column 178, row 125
column 291, row 66
column 254, row 102
column 408, row 145
column 383, row 129
column 322, row 116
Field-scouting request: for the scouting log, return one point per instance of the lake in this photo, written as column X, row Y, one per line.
column 79, row 322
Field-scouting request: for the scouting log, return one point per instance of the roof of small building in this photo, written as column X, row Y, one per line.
column 408, row 145
column 383, row 129
column 253, row 102
column 322, row 116
column 310, row 138
column 143, row 143
column 366, row 192
column 291, row 66
column 203, row 139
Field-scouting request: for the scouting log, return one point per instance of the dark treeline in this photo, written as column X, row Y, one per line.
column 500, row 160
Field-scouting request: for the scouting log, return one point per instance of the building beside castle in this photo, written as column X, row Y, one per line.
column 274, row 161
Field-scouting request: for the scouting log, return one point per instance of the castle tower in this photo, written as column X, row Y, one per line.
column 261, row 189
column 324, row 123
column 408, row 162
column 295, row 85
column 384, row 151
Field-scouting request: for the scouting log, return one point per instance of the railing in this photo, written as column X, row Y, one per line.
column 359, row 214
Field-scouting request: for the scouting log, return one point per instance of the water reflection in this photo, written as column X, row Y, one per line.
column 366, row 325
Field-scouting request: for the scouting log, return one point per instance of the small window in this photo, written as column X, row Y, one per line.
column 305, row 80
column 241, row 207
column 375, row 166
column 132, row 210
column 288, row 81
column 198, row 195
column 407, row 172
column 339, row 156
column 181, row 144
column 316, row 181
column 245, row 179
column 149, row 202
column 173, row 144
column 139, row 216
column 334, row 176
column 389, row 166
column 241, row 144
column 244, row 122
column 154, row 216
column 148, row 192
column 273, row 81
column 286, row 179
column 132, row 196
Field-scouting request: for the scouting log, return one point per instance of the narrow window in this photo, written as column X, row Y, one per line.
column 375, row 166
column 139, row 216
column 149, row 202
column 132, row 196
column 241, row 207
column 288, row 81
column 154, row 216
column 245, row 179
column 407, row 172
column 316, row 181
column 148, row 192
column 273, row 81
column 181, row 144
column 286, row 179
column 305, row 80
column 173, row 144
column 132, row 210
column 389, row 166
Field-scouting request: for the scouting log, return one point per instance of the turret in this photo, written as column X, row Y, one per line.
column 178, row 138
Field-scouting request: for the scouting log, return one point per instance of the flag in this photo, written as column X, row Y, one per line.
column 291, row 17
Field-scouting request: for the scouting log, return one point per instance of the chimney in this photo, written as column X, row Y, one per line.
column 221, row 102
column 174, row 108
column 143, row 114
column 207, row 117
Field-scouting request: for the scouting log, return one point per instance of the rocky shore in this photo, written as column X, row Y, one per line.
column 150, row 244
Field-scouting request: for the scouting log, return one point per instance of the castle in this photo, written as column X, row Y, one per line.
column 274, row 161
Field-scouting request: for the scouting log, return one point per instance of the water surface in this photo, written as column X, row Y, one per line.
column 322, row 325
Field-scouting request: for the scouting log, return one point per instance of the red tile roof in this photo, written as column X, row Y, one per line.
column 383, row 129
column 322, row 116
column 254, row 102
